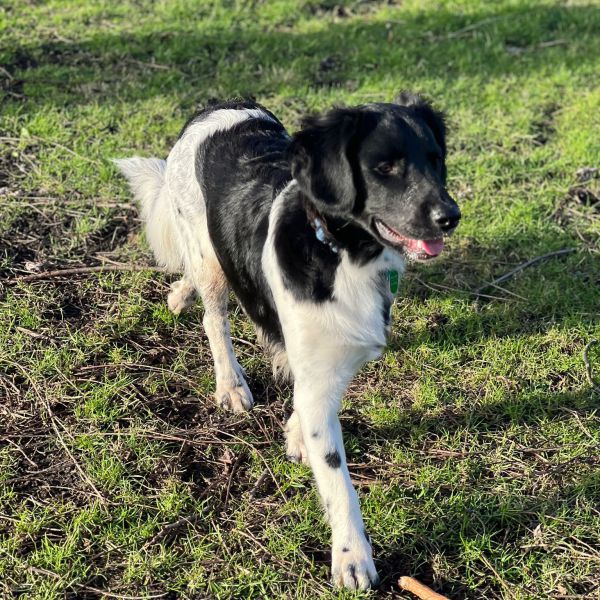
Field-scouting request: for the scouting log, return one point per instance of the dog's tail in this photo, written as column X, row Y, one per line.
column 146, row 178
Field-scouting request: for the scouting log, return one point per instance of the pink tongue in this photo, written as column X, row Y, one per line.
column 432, row 247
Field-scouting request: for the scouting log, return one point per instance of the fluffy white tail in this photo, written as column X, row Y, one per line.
column 146, row 178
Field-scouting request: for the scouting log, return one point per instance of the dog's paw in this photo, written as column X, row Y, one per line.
column 234, row 398
column 181, row 296
column 352, row 567
column 295, row 448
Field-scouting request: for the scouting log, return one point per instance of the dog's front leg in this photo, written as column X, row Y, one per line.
column 317, row 399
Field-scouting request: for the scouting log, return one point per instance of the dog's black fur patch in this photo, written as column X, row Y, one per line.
column 241, row 171
column 333, row 459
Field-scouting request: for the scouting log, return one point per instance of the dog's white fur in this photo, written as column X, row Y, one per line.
column 325, row 344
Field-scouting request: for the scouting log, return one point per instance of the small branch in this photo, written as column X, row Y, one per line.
column 55, row 426
column 588, row 365
column 81, row 271
column 65, row 148
column 87, row 588
column 30, row 333
column 188, row 519
column 263, row 477
column 418, row 589
column 524, row 266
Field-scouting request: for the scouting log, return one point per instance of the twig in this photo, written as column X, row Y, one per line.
column 153, row 65
column 138, row 366
column 503, row 583
column 588, row 365
column 30, row 333
column 436, row 287
column 65, row 148
column 232, row 473
column 55, row 422
column 83, row 270
column 551, row 43
column 263, row 477
column 108, row 594
column 524, row 266
column 509, row 292
column 473, row 26
column 418, row 589
column 88, row 588
column 15, row 445
column 190, row 519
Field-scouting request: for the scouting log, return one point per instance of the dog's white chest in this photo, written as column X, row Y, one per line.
column 362, row 299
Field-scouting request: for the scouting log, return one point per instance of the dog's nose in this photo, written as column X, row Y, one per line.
column 446, row 217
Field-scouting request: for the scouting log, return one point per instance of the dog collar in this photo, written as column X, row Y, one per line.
column 321, row 232
column 393, row 281
column 323, row 235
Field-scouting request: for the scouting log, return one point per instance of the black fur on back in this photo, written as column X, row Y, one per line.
column 240, row 171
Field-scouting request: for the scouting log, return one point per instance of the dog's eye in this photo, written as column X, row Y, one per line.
column 386, row 168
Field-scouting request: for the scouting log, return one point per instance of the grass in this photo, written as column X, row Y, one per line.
column 473, row 441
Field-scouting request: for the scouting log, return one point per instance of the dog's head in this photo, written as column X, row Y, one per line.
column 382, row 166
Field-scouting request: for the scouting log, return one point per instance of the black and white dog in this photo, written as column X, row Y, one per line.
column 311, row 232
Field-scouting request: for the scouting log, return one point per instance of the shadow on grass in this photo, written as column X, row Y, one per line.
column 546, row 294
column 474, row 521
column 439, row 44
column 520, row 408
column 490, row 522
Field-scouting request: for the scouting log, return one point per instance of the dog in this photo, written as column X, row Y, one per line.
column 311, row 232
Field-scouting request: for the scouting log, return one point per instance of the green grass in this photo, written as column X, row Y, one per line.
column 473, row 441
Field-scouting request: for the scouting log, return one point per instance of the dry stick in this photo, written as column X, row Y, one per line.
column 30, row 333
column 436, row 287
column 263, row 477
column 55, row 422
column 418, row 589
column 108, row 594
column 140, row 367
column 503, row 583
column 524, row 266
column 588, row 365
column 189, row 518
column 83, row 270
column 88, row 588
column 65, row 148
column 234, row 468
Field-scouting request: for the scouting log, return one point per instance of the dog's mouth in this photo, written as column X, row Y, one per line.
column 421, row 250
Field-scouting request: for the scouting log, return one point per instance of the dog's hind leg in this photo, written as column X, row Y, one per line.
column 203, row 275
column 232, row 392
column 206, row 275
column 182, row 296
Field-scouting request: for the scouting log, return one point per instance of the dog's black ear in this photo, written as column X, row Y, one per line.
column 434, row 119
column 320, row 159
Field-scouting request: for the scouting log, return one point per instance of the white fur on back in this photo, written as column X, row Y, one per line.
column 169, row 189
column 181, row 172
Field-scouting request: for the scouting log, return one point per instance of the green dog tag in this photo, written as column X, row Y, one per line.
column 393, row 279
